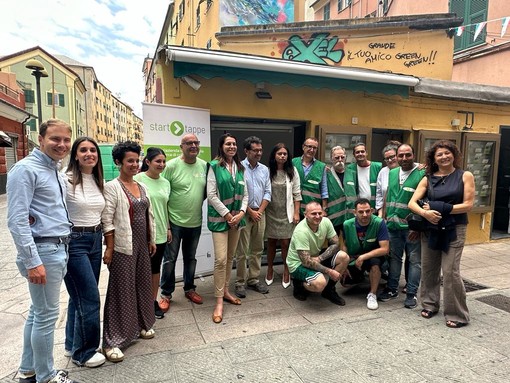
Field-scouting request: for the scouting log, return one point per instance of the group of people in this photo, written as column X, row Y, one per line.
column 370, row 205
column 60, row 221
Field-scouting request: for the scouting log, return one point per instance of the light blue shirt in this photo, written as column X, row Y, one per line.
column 257, row 182
column 324, row 180
column 36, row 204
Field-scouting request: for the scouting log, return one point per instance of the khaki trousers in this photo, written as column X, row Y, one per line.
column 454, row 293
column 225, row 244
column 251, row 246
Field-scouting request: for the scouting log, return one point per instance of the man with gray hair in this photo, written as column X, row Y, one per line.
column 336, row 208
column 251, row 240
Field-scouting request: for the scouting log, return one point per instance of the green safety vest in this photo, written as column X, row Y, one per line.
column 353, row 244
column 230, row 193
column 311, row 184
column 398, row 197
column 336, row 199
column 351, row 185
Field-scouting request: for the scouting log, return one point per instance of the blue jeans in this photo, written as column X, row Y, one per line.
column 83, row 268
column 399, row 242
column 38, row 334
column 189, row 236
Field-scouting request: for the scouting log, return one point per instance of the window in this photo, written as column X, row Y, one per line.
column 208, row 45
column 56, row 99
column 181, row 10
column 32, row 125
column 473, row 12
column 198, row 17
column 327, row 12
column 29, row 96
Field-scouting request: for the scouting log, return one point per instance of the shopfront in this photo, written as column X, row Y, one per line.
column 356, row 105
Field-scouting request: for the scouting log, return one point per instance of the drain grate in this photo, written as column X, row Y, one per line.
column 470, row 285
column 498, row 301
column 473, row 286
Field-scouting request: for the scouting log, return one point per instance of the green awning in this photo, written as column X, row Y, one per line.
column 278, row 78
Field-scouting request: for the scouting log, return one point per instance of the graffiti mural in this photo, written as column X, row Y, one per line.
column 319, row 49
column 256, row 12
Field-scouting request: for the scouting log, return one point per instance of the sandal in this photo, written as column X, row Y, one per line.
column 217, row 318
column 149, row 334
column 232, row 300
column 114, row 355
column 455, row 324
column 427, row 314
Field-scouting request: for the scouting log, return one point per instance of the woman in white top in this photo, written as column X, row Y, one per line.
column 282, row 213
column 85, row 203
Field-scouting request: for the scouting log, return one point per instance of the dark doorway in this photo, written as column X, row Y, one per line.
column 270, row 132
column 380, row 138
column 500, row 221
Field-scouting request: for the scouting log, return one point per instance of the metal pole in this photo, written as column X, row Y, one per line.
column 37, row 74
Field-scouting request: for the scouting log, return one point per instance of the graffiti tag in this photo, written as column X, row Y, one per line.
column 316, row 50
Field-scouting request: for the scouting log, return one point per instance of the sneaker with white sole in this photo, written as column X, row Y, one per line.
column 62, row 377
column 372, row 302
column 96, row 360
column 410, row 301
column 68, row 353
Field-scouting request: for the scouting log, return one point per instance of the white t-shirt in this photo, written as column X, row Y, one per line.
column 364, row 182
column 404, row 174
column 86, row 204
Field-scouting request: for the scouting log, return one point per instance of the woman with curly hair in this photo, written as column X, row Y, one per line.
column 129, row 231
column 447, row 195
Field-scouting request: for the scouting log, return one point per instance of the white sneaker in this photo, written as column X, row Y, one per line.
column 95, row 361
column 372, row 302
column 62, row 377
column 68, row 353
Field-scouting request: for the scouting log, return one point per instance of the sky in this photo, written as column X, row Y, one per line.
column 112, row 36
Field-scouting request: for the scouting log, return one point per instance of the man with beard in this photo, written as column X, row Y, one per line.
column 367, row 243
column 402, row 183
column 361, row 178
column 336, row 209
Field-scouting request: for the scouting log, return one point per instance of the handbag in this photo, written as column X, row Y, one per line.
column 416, row 222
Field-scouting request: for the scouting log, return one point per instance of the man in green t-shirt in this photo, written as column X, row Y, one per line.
column 307, row 265
column 187, row 176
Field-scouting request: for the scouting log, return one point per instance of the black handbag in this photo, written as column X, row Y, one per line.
column 416, row 222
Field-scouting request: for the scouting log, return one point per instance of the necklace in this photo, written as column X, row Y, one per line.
column 444, row 177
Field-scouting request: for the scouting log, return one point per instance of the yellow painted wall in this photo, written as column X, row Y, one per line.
column 335, row 109
column 418, row 53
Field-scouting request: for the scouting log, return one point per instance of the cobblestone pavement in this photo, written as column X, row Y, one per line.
column 275, row 338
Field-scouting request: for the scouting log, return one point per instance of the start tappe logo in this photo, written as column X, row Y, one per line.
column 177, row 128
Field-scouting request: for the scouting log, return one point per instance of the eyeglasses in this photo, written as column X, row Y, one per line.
column 336, row 158
column 390, row 158
column 311, row 147
column 189, row 143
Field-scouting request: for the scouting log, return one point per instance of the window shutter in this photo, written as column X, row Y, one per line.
column 61, row 101
column 473, row 12
column 49, row 98
column 29, row 96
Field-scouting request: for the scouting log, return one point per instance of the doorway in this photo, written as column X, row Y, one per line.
column 380, row 138
column 500, row 221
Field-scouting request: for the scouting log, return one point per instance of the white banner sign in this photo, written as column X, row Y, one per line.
column 163, row 126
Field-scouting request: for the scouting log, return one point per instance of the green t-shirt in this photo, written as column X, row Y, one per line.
column 188, row 190
column 159, row 190
column 303, row 238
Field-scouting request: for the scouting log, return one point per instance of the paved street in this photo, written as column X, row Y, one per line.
column 275, row 338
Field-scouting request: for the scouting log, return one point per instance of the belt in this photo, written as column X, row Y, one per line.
column 86, row 229
column 55, row 240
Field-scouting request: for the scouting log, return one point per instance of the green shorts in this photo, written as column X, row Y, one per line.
column 307, row 275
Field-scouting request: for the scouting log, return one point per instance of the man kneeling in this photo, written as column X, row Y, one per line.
column 367, row 243
column 307, row 265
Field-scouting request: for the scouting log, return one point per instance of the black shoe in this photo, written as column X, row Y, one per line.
column 332, row 296
column 300, row 292
column 157, row 310
column 28, row 379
